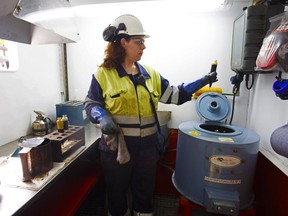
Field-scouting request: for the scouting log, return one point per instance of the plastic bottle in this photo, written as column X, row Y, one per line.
column 65, row 122
column 60, row 125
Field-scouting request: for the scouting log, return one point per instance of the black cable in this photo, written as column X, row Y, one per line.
column 233, row 105
column 247, row 81
column 166, row 166
column 237, row 81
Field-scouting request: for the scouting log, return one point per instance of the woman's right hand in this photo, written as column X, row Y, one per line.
column 107, row 124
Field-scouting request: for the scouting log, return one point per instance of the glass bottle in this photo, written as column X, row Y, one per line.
column 65, row 122
column 60, row 125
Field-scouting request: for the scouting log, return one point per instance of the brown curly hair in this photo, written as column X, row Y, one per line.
column 114, row 54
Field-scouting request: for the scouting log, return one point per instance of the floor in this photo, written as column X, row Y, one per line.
column 95, row 204
column 165, row 205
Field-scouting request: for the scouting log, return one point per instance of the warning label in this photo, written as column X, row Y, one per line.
column 226, row 139
column 194, row 133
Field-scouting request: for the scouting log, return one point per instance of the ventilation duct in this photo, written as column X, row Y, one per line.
column 38, row 21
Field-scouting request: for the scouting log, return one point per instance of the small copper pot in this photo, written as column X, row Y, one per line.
column 36, row 157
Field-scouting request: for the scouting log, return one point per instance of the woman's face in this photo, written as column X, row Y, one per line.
column 134, row 47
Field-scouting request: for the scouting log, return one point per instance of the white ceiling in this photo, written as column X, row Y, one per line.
column 84, row 2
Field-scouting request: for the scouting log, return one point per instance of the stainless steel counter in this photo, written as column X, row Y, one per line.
column 12, row 199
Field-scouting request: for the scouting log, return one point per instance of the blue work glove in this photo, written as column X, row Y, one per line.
column 192, row 87
column 107, row 124
column 209, row 78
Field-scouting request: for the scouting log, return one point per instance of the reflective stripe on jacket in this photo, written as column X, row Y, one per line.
column 129, row 104
column 114, row 87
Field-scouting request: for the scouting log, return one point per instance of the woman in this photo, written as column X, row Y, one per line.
column 120, row 103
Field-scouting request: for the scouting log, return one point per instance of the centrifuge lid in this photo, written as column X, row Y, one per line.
column 213, row 106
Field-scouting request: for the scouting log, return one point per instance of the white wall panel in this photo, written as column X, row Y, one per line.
column 35, row 86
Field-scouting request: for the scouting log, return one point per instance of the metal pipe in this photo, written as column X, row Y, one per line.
column 65, row 74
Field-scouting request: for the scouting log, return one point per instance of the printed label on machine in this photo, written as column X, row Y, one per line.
column 226, row 139
column 225, row 161
column 222, row 181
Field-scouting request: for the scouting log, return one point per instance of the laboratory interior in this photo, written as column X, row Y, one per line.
column 217, row 120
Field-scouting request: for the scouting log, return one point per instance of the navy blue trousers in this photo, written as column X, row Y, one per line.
column 138, row 175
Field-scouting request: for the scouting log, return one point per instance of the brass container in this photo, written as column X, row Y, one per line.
column 40, row 126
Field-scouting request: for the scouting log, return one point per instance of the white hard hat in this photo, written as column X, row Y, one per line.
column 126, row 24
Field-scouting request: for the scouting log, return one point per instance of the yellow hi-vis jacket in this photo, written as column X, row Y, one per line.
column 129, row 104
